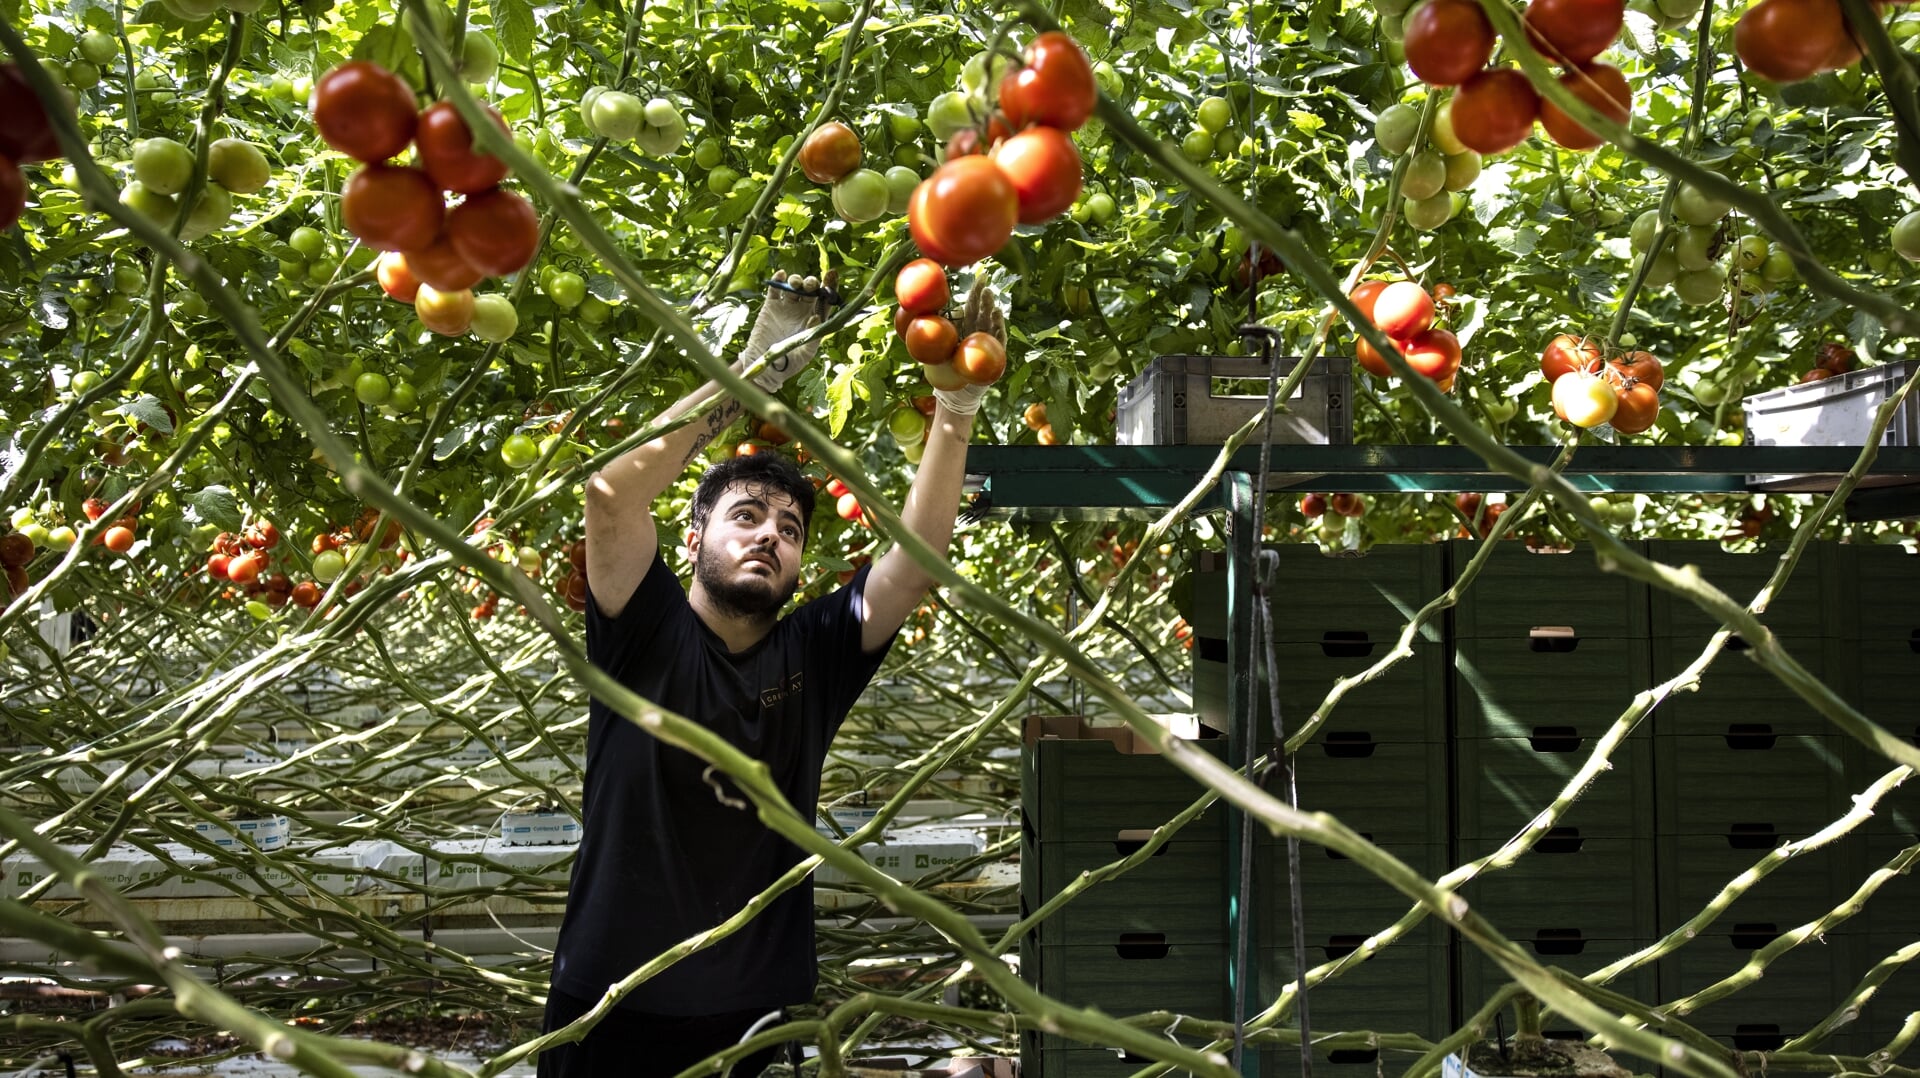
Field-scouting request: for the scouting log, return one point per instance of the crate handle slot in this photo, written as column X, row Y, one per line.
column 1555, row 739
column 1345, row 644
column 1561, row 840
column 1559, row 941
column 1211, row 648
column 1750, row 736
column 1754, row 935
column 1552, row 639
column 1340, row 946
column 1353, row 1055
column 1348, row 744
column 1913, row 640
column 1137, row 946
column 1758, row 1037
column 1128, row 842
column 1752, row 836
column 1336, row 855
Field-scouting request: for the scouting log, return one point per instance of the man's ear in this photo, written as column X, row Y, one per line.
column 693, row 544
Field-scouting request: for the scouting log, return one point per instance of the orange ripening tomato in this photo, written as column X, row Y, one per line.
column 1642, row 367
column 1791, row 40
column 439, row 265
column 496, row 231
column 1638, row 405
column 396, row 278
column 1565, row 354
column 1574, row 31
column 1044, row 168
column 931, row 339
column 1604, row 89
column 921, row 287
column 964, row 212
column 981, row 359
column 445, row 144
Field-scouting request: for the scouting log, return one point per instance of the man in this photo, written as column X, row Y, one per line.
column 671, row 848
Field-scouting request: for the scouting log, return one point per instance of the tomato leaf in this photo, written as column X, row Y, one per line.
column 840, row 400
column 513, row 20
column 146, row 408
column 213, row 505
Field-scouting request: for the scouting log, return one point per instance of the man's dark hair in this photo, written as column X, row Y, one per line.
column 760, row 472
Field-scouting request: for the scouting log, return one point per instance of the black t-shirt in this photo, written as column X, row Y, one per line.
column 663, row 857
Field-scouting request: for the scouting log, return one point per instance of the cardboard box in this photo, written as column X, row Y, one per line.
column 912, row 852
column 266, row 834
column 540, row 829
column 1123, row 737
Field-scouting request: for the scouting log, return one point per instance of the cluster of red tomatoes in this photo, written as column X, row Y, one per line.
column 16, row 550
column 1623, row 391
column 1022, row 168
column 1832, row 358
column 1035, row 417
column 947, row 360
column 846, row 504
column 1791, row 40
column 1405, row 312
column 244, row 560
column 573, row 587
column 26, row 136
column 118, row 537
column 1315, row 506
column 1449, row 43
column 368, row 113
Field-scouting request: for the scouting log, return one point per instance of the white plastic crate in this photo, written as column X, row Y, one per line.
column 1832, row 411
column 1175, row 401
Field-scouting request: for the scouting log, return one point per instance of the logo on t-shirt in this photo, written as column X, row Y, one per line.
column 770, row 698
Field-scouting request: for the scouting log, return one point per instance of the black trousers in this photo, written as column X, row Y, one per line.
column 629, row 1045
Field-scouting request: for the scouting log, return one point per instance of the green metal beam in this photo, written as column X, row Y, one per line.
column 1104, row 481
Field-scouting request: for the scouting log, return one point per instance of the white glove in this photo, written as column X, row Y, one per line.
column 982, row 316
column 791, row 308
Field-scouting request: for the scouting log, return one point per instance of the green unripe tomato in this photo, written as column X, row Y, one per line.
column 1665, row 269
column 163, row 165
column 1215, row 114
column 1427, row 214
column 1645, row 227
column 372, row 389
column 1750, row 283
column 328, row 565
column 1107, row 79
column 403, row 399
column 210, row 213
column 23, row 518
column 1627, row 340
column 907, row 156
column 948, row 114
column 238, row 166
column 1197, row 146
column 1425, row 177
column 479, row 57
column 82, row 75
column 519, row 452
column 1394, row 129
column 720, row 180
column 973, row 75
column 62, row 538
column 157, row 207
column 708, row 153
column 1700, row 287
column 55, row 70
column 293, row 271
column 862, row 196
column 1752, row 252
column 660, row 112
column 1778, row 268
column 494, row 319
column 615, row 114
column 193, row 305
column 1906, row 237
column 1693, row 248
column 566, row 288
column 1101, row 207
column 907, row 425
column 310, row 242
column 1710, row 393
column 258, row 610
column 319, row 273
column 97, row 47
column 1462, row 170
column 593, row 310
column 128, row 279
column 901, row 182
column 1442, row 134
column 1695, row 207
column 903, row 123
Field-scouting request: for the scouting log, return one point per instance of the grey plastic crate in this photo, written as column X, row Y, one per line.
column 1832, row 411
column 1173, row 402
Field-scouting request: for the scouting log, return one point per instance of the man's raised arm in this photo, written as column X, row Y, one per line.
column 621, row 536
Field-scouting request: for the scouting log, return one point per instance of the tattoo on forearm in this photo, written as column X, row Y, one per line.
column 717, row 421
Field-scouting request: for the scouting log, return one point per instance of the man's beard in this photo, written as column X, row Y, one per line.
column 737, row 598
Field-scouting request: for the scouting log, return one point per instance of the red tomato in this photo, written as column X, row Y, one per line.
column 1045, row 170
column 963, row 212
column 1313, row 505
column 306, row 595
column 1448, row 41
column 931, row 339
column 1402, row 309
column 982, row 359
column 392, row 209
column 1433, row 354
column 246, row 568
column 26, row 133
column 1055, row 88
column 496, row 231
column 1815, row 375
column 13, row 194
column 1835, row 357
column 217, row 565
column 1790, row 40
column 1370, row 359
column 1571, row 32
column 1349, row 505
column 921, row 287
column 1639, row 405
column 1565, row 354
column 439, row 265
column 396, row 279
column 1494, row 111
column 364, row 111
column 830, row 152
column 902, row 318
column 445, row 144
column 1602, row 87
column 1641, row 366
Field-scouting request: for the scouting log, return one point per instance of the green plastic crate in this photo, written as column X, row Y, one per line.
column 1568, row 878
column 1338, row 896
column 1883, row 591
column 1284, row 1062
column 1320, row 597
column 1403, row 989
column 1504, row 783
column 1132, row 973
column 1887, row 676
column 1180, row 890
column 1759, row 789
column 1567, row 947
column 1395, row 791
column 1517, row 683
column 1810, row 606
column 1735, row 689
column 1059, row 1057
column 1405, row 703
column 1087, row 790
column 1517, row 590
column 1797, row 990
column 1694, row 868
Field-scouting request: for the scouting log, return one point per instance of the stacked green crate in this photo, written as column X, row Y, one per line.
column 1743, row 766
column 1548, row 651
column 1153, row 938
column 1883, row 592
